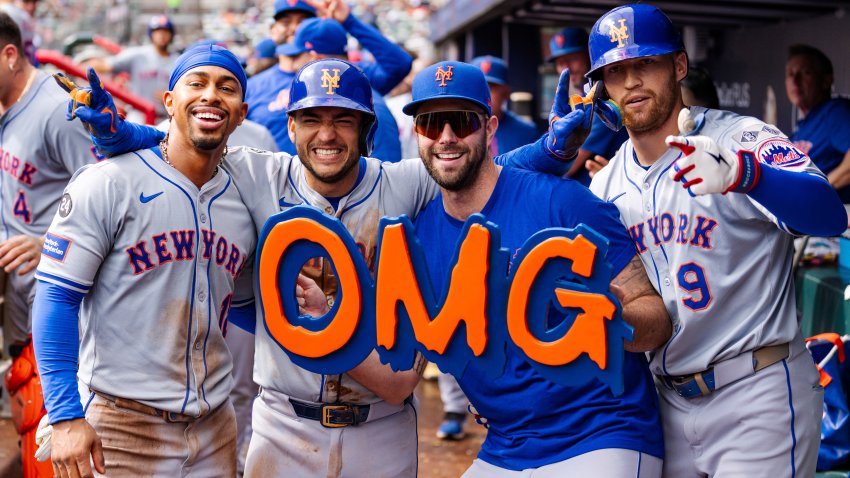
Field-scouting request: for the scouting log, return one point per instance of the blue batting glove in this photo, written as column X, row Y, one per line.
column 109, row 132
column 569, row 121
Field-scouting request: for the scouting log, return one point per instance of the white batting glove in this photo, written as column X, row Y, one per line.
column 706, row 168
column 44, row 439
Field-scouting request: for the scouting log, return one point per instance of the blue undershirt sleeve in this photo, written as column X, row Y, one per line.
column 815, row 209
column 56, row 340
column 244, row 317
column 534, row 157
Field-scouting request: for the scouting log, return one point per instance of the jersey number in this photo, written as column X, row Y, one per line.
column 691, row 277
column 21, row 209
column 222, row 315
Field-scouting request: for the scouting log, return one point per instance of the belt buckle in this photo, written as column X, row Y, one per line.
column 326, row 415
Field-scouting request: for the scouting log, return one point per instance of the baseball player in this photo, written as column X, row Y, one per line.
column 547, row 429
column 513, row 131
column 368, row 409
column 268, row 92
column 704, row 196
column 149, row 65
column 152, row 250
column 326, row 38
column 568, row 50
column 40, row 153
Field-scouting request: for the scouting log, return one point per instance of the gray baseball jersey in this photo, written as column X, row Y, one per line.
column 39, row 152
column 272, row 182
column 720, row 262
column 249, row 133
column 149, row 72
column 161, row 262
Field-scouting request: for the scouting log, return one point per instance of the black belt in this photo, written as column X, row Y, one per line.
column 331, row 415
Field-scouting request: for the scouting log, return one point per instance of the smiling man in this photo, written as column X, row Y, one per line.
column 153, row 245
column 704, row 195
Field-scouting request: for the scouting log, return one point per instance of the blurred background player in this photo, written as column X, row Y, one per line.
column 326, row 38
column 698, row 89
column 149, row 65
column 823, row 127
column 513, row 131
column 568, row 50
column 263, row 58
column 41, row 152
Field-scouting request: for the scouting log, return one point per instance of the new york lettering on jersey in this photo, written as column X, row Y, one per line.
column 179, row 245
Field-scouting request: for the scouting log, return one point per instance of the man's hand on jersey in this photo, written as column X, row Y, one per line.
column 20, row 252
column 109, row 132
column 706, row 168
column 75, row 446
column 595, row 164
column 311, row 298
column 569, row 120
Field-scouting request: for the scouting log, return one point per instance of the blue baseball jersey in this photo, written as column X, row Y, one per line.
column 533, row 421
column 602, row 141
column 267, row 95
column 387, row 143
column 824, row 135
column 514, row 132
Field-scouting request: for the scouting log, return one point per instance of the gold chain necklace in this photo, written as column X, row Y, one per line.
column 163, row 148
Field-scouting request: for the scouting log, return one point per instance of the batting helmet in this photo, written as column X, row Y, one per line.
column 631, row 31
column 160, row 22
column 284, row 6
column 335, row 83
column 449, row 80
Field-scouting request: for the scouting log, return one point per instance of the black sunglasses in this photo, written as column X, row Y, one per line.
column 463, row 123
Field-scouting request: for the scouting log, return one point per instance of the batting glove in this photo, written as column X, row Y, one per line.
column 44, row 439
column 108, row 130
column 607, row 110
column 706, row 168
column 569, row 120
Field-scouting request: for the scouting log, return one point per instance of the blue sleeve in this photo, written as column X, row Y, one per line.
column 534, row 157
column 56, row 339
column 387, row 143
column 817, row 211
column 130, row 137
column 840, row 122
column 244, row 317
column 393, row 62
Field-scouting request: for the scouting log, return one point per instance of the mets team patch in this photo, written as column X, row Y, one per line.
column 55, row 247
column 781, row 153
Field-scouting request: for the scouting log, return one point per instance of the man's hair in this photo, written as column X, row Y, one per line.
column 10, row 33
column 822, row 62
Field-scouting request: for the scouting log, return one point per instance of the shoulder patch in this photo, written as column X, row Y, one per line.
column 749, row 136
column 65, row 205
column 770, row 130
column 781, row 153
column 55, row 247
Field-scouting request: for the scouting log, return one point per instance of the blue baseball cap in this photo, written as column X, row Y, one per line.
column 495, row 69
column 569, row 40
column 449, row 80
column 265, row 48
column 322, row 35
column 285, row 6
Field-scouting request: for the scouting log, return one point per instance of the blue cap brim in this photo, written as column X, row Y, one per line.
column 563, row 51
column 289, row 49
column 410, row 108
column 493, row 79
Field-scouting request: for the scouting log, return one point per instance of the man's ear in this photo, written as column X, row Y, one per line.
column 168, row 101
column 291, row 127
column 681, row 63
column 492, row 126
